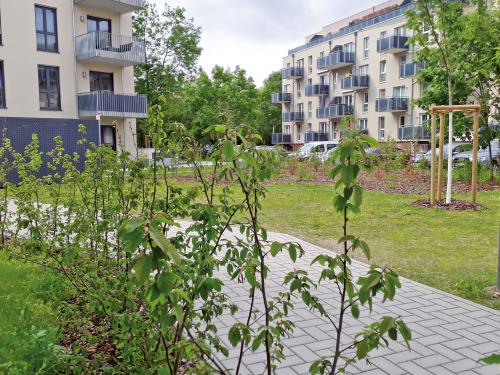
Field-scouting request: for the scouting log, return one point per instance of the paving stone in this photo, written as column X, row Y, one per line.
column 414, row 369
column 461, row 365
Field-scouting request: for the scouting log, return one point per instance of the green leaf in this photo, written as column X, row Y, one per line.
column 357, row 198
column 164, row 371
column 292, row 251
column 365, row 249
column 143, row 267
column 355, row 311
column 492, row 359
column 132, row 224
column 393, row 334
column 166, row 282
column 275, row 248
column 228, row 150
column 163, row 243
column 234, row 336
column 405, row 332
column 386, row 324
column 361, row 349
column 250, row 276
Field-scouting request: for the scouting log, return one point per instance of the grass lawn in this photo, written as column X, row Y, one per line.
column 452, row 251
column 27, row 321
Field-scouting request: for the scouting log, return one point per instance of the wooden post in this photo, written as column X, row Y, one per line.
column 474, row 155
column 442, row 128
column 433, row 157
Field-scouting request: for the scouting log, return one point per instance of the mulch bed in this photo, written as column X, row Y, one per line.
column 455, row 205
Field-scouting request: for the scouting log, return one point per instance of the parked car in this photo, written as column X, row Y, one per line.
column 483, row 154
column 264, row 148
column 314, row 149
column 455, row 147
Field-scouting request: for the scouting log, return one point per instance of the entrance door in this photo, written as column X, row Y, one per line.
column 100, row 81
column 102, row 29
column 108, row 136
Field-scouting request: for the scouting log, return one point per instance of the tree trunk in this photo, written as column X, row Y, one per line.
column 450, row 140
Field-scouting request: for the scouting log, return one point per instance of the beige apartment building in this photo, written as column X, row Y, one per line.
column 361, row 65
column 69, row 62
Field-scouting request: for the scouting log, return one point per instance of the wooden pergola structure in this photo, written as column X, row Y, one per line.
column 443, row 110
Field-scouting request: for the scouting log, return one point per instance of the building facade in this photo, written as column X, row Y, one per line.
column 360, row 66
column 69, row 62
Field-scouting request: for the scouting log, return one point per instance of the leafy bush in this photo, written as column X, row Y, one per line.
column 463, row 172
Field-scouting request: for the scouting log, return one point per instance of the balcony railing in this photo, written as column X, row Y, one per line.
column 115, row 6
column 281, row 97
column 394, row 44
column 293, row 116
column 355, row 82
column 315, row 137
column 293, row 72
column 315, row 90
column 109, row 104
column 336, row 60
column 391, row 104
column 410, row 69
column 414, row 133
column 106, row 48
column 281, row 139
column 334, row 111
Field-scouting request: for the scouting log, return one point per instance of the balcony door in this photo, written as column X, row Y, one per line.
column 102, row 28
column 108, row 136
column 100, row 81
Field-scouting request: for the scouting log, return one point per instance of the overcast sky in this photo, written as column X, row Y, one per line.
column 256, row 34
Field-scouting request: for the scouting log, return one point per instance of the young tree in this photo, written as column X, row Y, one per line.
column 268, row 114
column 434, row 24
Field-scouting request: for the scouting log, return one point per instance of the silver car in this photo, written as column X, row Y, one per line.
column 483, row 154
column 455, row 147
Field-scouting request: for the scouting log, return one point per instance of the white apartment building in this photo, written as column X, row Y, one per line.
column 69, row 62
column 361, row 65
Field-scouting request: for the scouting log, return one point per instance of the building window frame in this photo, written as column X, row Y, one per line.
column 365, row 102
column 366, row 47
column 383, row 71
column 44, row 32
column 381, row 128
column 363, row 124
column 53, row 88
column 3, row 100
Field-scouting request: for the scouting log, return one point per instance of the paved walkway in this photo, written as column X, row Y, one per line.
column 450, row 334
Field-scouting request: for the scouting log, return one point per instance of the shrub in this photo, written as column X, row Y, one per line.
column 463, row 172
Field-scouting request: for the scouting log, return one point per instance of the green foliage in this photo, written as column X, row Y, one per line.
column 268, row 114
column 493, row 359
column 350, row 159
column 463, row 172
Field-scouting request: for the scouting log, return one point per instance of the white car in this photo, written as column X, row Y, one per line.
column 456, row 148
column 314, row 149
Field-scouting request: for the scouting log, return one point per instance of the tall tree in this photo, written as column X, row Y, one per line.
column 268, row 114
column 226, row 97
column 172, row 51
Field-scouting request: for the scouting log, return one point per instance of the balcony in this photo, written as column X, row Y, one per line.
column 281, row 139
column 281, row 97
column 414, row 133
column 115, row 6
column 355, row 82
column 105, row 48
column 334, row 111
column 336, row 60
column 410, row 69
column 315, row 137
column 317, row 90
column 392, row 44
column 109, row 104
column 293, row 116
column 293, row 73
column 391, row 104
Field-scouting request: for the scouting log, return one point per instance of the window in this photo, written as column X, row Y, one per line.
column 286, row 88
column 46, row 29
column 100, row 81
column 349, row 47
column 48, row 86
column 309, row 127
column 381, row 128
column 399, row 31
column 383, row 71
column 381, row 93
column 323, row 127
column 309, row 109
column 399, row 92
column 366, row 46
column 108, row 136
column 310, row 60
column 321, row 54
column 300, row 107
column 401, row 121
column 424, row 119
column 363, row 70
column 1, row 34
column 300, row 63
column 383, row 35
column 310, row 81
column 3, row 103
column 363, row 124
column 347, row 99
column 299, row 93
column 365, row 102
column 286, row 130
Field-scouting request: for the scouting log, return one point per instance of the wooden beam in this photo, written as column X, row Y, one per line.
column 442, row 128
column 433, row 158
column 456, row 107
column 474, row 156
